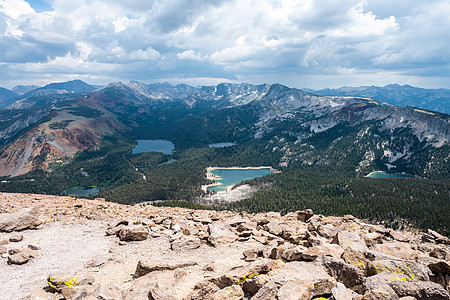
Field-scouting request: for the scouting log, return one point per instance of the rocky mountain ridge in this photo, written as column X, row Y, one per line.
column 66, row 248
column 401, row 95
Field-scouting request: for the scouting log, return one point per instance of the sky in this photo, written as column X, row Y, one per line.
column 302, row 43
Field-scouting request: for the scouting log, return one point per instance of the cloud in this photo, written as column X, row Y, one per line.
column 328, row 40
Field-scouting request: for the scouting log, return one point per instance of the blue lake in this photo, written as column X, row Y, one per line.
column 380, row 174
column 163, row 146
column 221, row 145
column 82, row 192
column 230, row 177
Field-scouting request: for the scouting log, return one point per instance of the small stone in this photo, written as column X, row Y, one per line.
column 16, row 238
column 3, row 250
column 19, row 258
column 250, row 255
column 33, row 247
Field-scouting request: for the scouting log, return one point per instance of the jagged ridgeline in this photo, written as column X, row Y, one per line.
column 323, row 146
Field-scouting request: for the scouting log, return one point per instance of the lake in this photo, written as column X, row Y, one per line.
column 163, row 146
column 229, row 177
column 82, row 192
column 381, row 174
column 221, row 145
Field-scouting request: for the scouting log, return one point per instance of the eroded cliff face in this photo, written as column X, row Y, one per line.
column 50, row 142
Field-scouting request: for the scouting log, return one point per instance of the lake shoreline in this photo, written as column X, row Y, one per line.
column 211, row 176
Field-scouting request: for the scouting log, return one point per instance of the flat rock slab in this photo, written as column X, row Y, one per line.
column 25, row 218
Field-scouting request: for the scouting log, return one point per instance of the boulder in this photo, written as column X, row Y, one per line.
column 267, row 292
column 397, row 249
column 220, row 233
column 301, row 289
column 74, row 292
column 300, row 271
column 133, row 233
column 252, row 285
column 345, row 273
column 327, row 231
column 323, row 250
column 203, row 291
column 233, row 292
column 25, row 218
column 57, row 282
column 421, row 290
column 250, row 255
column 439, row 238
column 292, row 253
column 404, row 269
column 114, row 230
column 398, row 236
column 340, row 292
column 373, row 238
column 304, row 215
column 185, row 243
column 347, row 239
column 145, row 267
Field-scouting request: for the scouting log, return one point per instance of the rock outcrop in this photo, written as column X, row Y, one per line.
column 174, row 253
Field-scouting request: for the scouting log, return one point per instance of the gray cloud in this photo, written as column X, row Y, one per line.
column 320, row 43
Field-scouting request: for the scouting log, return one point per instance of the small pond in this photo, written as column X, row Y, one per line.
column 82, row 192
column 163, row 146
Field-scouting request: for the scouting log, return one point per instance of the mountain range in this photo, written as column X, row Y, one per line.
column 52, row 126
column 324, row 147
column 400, row 95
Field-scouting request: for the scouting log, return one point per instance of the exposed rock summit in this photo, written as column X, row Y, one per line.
column 146, row 252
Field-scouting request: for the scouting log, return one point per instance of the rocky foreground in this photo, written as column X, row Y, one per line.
column 65, row 248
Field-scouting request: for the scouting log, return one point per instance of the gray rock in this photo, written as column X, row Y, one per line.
column 57, row 282
column 185, row 243
column 133, row 233
column 267, row 292
column 233, row 292
column 25, row 218
column 220, row 233
column 421, row 290
column 304, row 215
column 203, row 291
column 145, row 267
column 19, row 258
column 16, row 238
column 345, row 273
column 340, row 292
column 323, row 250
column 347, row 239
